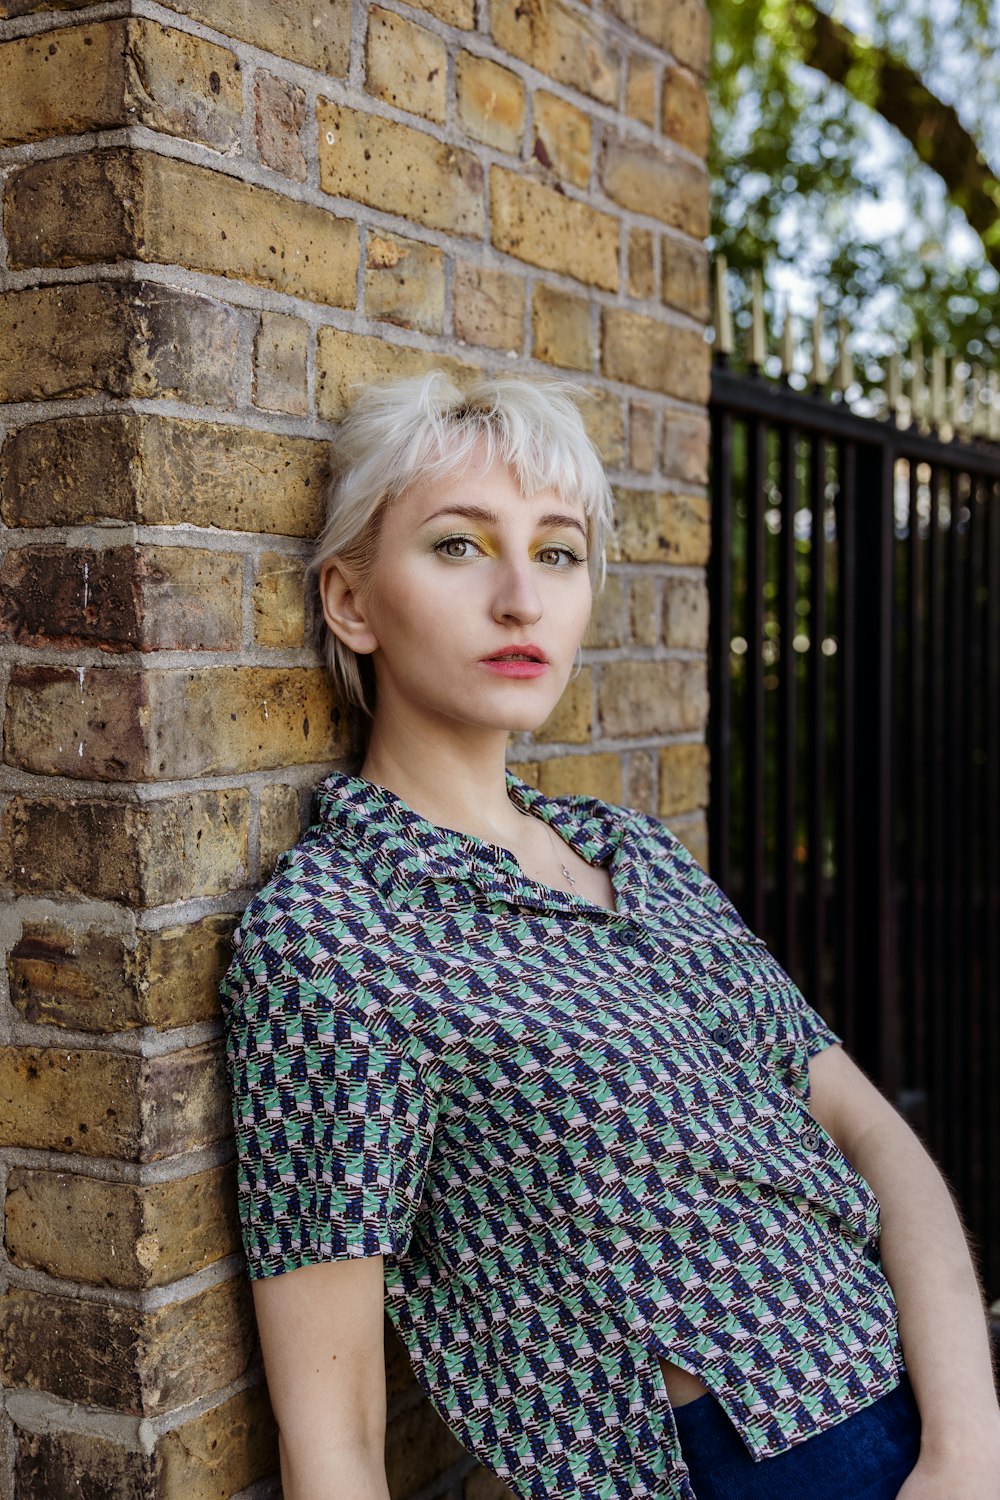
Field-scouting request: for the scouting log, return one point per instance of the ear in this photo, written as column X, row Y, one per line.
column 344, row 610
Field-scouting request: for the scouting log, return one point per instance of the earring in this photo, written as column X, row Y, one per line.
column 579, row 664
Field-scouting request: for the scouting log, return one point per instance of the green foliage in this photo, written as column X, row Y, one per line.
column 795, row 158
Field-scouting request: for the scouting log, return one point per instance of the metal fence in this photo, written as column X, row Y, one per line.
column 855, row 744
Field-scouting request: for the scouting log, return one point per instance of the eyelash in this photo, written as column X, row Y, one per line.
column 574, row 558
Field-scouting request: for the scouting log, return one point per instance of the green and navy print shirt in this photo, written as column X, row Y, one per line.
column 580, row 1138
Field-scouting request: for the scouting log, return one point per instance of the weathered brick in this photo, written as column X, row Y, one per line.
column 405, row 64
column 162, row 471
column 683, row 779
column 280, row 364
column 135, row 1362
column 90, row 980
column 279, row 118
column 124, row 1234
column 317, row 35
column 400, row 169
column 488, row 307
column 685, row 613
column 604, row 419
column 122, row 339
column 214, row 1455
column 644, row 625
column 680, row 27
column 657, row 356
column 404, row 282
column 115, row 73
column 123, row 204
column 685, row 447
column 638, row 698
column 685, row 277
column 562, row 138
column 454, row 12
column 598, row 775
column 605, row 626
column 653, row 180
column 571, row 721
column 345, row 359
column 279, row 600
column 641, row 437
column 142, row 854
column 121, row 598
column 106, row 1104
column 489, row 102
column 684, row 115
column 558, row 41
column 640, row 88
column 562, row 326
column 108, row 724
column 280, row 824
column 656, row 526
column 543, row 227
column 640, row 281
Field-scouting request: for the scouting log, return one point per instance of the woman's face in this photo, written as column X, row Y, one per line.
column 467, row 566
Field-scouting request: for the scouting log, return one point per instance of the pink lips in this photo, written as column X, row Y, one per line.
column 513, row 668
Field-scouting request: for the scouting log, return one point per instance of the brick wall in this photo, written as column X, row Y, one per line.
column 216, row 217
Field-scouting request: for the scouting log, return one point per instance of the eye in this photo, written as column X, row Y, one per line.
column 451, row 541
column 572, row 558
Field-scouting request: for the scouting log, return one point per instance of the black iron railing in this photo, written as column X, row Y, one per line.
column 855, row 745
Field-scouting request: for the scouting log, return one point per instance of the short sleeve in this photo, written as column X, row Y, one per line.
column 334, row 1122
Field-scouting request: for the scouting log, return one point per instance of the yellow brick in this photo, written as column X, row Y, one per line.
column 453, row 12
column 399, row 169
column 598, row 775
column 653, row 180
column 406, row 65
column 640, row 282
column 685, row 277
column 139, row 205
column 656, row 526
column 563, row 328
column 685, row 613
column 569, row 47
column 404, row 282
column 317, row 35
column 685, row 111
column 644, row 626
column 279, row 601
column 279, row 118
column 640, row 88
column 641, row 437
column 683, row 779
column 651, row 697
column 685, row 447
column 280, row 824
column 490, row 102
column 562, row 138
column 488, row 307
column 280, row 376
column 543, row 227
column 571, row 721
column 605, row 626
column 604, row 420
column 346, row 359
column 657, row 356
column 680, row 27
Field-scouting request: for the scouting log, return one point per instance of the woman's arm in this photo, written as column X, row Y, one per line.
column 942, row 1311
column 321, row 1334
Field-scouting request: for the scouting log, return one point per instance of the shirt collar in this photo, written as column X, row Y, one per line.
column 408, row 857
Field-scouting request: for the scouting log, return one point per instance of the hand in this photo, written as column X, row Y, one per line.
column 973, row 1476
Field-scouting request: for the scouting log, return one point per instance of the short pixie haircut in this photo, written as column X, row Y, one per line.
column 424, row 427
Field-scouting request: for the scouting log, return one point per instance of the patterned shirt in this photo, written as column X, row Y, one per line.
column 580, row 1138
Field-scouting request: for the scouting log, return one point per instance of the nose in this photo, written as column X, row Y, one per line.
column 516, row 594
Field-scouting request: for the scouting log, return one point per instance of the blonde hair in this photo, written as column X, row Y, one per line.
column 423, row 428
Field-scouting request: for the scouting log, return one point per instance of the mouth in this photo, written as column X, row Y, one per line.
column 522, row 653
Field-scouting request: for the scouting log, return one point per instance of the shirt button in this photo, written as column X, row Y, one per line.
column 811, row 1140
column 722, row 1033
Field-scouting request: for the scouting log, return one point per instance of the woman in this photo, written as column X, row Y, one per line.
column 512, row 1067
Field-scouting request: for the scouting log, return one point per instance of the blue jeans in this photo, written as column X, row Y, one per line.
column 865, row 1457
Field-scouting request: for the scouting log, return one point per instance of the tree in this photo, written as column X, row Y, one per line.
column 801, row 156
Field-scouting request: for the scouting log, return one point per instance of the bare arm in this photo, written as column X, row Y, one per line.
column 942, row 1312
column 321, row 1334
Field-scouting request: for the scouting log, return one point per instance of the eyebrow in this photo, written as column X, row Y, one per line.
column 479, row 513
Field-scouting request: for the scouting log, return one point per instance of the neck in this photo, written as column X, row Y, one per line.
column 451, row 788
